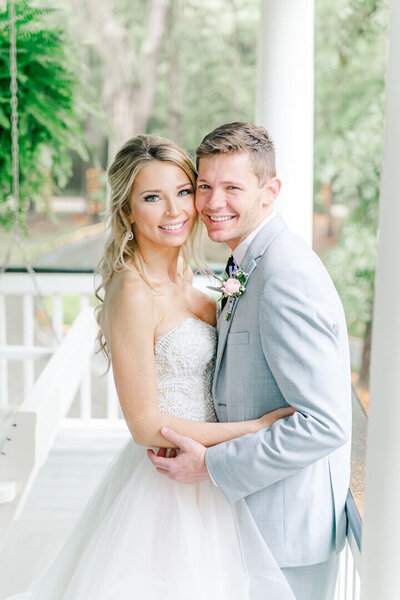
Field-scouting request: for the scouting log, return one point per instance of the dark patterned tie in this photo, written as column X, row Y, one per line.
column 230, row 263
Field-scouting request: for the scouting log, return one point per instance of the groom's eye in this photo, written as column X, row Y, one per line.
column 203, row 186
column 232, row 187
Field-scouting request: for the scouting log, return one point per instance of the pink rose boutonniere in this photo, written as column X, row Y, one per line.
column 232, row 286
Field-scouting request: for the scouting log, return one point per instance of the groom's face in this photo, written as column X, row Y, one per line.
column 229, row 197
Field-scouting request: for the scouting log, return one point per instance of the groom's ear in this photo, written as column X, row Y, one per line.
column 271, row 190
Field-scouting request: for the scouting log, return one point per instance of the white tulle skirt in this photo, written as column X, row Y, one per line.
column 143, row 536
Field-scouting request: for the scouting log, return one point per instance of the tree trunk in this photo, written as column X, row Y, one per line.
column 149, row 58
column 122, row 119
column 234, row 77
column 363, row 378
column 98, row 24
column 128, row 84
column 328, row 200
column 175, row 92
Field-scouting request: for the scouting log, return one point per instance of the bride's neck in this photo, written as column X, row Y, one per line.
column 160, row 262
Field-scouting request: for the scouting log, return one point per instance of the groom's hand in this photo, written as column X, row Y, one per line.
column 188, row 466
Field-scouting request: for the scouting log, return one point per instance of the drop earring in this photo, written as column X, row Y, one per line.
column 131, row 236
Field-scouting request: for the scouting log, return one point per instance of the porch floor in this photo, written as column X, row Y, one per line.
column 76, row 462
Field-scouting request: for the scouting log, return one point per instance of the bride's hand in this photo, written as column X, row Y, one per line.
column 167, row 452
column 270, row 418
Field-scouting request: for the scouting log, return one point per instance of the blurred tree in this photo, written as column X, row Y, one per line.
column 349, row 110
column 207, row 72
column 171, row 67
column 49, row 107
column 352, row 267
column 127, row 38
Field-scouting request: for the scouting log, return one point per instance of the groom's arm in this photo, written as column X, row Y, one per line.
column 299, row 333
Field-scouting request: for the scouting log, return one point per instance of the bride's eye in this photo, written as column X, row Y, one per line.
column 152, row 198
column 185, row 192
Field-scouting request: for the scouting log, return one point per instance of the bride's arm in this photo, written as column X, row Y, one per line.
column 132, row 319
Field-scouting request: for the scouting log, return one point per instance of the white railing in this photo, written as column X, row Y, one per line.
column 349, row 583
column 25, row 438
column 29, row 432
column 53, row 287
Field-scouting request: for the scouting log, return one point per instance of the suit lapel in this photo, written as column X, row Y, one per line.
column 248, row 267
column 256, row 249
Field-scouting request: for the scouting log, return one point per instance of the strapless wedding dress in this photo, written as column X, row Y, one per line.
column 144, row 536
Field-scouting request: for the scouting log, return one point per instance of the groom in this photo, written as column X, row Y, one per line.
column 285, row 343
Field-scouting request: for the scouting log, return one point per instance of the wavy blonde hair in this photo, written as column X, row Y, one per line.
column 121, row 253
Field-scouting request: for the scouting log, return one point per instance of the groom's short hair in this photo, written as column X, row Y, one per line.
column 242, row 137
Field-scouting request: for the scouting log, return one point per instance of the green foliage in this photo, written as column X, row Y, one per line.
column 349, row 110
column 207, row 74
column 49, row 113
column 352, row 267
column 70, row 305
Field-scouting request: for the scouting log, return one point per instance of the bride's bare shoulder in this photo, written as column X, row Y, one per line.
column 128, row 291
column 128, row 305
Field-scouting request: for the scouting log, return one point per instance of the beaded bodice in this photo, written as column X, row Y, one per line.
column 185, row 361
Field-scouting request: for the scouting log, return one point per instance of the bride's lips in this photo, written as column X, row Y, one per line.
column 173, row 227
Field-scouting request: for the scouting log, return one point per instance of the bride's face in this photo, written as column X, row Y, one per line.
column 162, row 205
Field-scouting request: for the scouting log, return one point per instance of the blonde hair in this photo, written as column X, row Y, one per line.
column 120, row 252
column 242, row 137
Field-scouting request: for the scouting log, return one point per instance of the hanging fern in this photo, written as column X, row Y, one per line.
column 49, row 107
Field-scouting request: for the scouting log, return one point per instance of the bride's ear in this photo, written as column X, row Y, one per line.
column 128, row 213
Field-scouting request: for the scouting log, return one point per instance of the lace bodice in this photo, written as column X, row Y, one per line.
column 185, row 361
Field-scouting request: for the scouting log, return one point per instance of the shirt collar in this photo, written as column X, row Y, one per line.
column 239, row 252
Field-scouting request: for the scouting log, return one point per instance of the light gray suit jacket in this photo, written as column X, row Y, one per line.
column 286, row 344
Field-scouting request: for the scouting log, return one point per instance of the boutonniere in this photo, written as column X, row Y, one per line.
column 233, row 285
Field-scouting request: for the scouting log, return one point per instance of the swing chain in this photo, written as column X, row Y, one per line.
column 17, row 233
column 14, row 105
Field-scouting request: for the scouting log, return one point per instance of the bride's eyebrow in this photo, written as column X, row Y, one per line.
column 178, row 187
column 151, row 192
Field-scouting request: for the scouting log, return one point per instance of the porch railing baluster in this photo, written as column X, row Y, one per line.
column 29, row 341
column 3, row 361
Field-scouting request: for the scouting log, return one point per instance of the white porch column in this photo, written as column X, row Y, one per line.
column 380, row 575
column 285, row 102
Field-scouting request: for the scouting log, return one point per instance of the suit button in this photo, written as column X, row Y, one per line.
column 221, row 404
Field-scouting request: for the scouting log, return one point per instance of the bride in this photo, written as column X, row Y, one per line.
column 142, row 535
